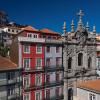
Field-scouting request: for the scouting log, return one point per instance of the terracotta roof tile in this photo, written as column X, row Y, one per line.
column 93, row 85
column 29, row 28
column 6, row 64
column 45, row 30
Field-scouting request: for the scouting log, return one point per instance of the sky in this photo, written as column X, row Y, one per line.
column 52, row 13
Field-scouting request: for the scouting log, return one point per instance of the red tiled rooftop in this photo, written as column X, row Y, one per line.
column 93, row 85
column 6, row 64
column 29, row 28
column 45, row 30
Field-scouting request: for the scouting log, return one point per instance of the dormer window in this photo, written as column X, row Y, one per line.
column 8, row 30
column 12, row 30
column 32, row 35
column 29, row 35
column 35, row 35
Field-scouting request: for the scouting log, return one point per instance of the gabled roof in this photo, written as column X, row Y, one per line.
column 45, row 30
column 91, row 85
column 7, row 64
column 29, row 28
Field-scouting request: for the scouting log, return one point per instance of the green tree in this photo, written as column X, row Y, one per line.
column 3, row 50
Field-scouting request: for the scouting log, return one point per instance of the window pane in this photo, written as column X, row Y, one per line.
column 48, row 49
column 39, row 62
column 26, row 63
column 39, row 49
column 26, row 49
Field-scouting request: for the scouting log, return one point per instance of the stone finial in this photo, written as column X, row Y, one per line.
column 87, row 26
column 72, row 26
column 94, row 29
column 80, row 24
column 64, row 28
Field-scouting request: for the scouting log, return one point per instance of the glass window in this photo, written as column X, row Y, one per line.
column 58, row 61
column 57, row 91
column 26, row 81
column 48, row 49
column 57, row 77
column 48, row 62
column 26, row 63
column 11, row 75
column 26, row 97
column 89, row 62
column 80, row 59
column 47, row 94
column 38, row 96
column 69, row 63
column 39, row 62
column 57, row 49
column 8, row 30
column 92, row 96
column 11, row 91
column 12, row 30
column 39, row 49
column 29, row 35
column 47, row 78
column 38, row 79
column 26, row 48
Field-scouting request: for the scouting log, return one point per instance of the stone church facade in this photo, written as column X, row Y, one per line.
column 79, row 56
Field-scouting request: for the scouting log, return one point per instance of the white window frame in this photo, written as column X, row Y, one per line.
column 92, row 94
column 26, row 76
column 26, row 68
column 39, row 67
column 37, row 49
column 38, row 84
column 40, row 94
column 58, row 49
column 24, row 48
column 28, row 95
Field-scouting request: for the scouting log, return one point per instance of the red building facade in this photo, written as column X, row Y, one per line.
column 40, row 76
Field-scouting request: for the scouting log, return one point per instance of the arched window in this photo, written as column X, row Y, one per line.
column 70, row 94
column 69, row 63
column 80, row 59
column 89, row 62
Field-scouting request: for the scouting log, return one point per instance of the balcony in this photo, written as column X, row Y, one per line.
column 53, row 84
column 45, row 85
column 3, row 82
column 44, row 69
column 60, row 97
column 33, row 70
column 11, row 81
column 13, row 96
column 34, row 87
column 53, row 41
column 28, row 39
column 54, row 68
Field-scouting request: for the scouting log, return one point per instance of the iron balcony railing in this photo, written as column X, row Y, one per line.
column 56, row 97
column 33, row 70
column 5, row 82
column 45, row 85
column 53, row 84
column 53, row 41
column 13, row 96
column 54, row 68
column 43, row 69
